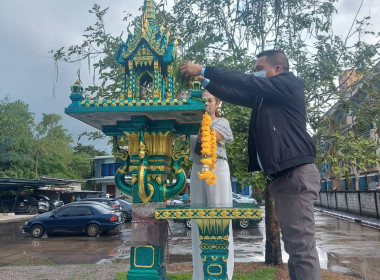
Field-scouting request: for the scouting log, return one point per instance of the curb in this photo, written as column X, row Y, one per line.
column 14, row 218
column 351, row 219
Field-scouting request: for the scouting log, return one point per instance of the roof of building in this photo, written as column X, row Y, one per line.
column 17, row 183
column 102, row 157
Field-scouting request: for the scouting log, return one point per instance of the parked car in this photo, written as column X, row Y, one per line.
column 113, row 203
column 76, row 218
column 23, row 204
column 43, row 206
column 126, row 209
column 242, row 223
column 95, row 195
column 88, row 202
column 53, row 203
column 243, row 199
column 176, row 200
column 124, row 216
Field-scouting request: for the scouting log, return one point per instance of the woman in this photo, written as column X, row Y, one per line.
column 202, row 194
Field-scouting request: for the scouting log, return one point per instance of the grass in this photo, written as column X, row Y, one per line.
column 121, row 276
column 265, row 273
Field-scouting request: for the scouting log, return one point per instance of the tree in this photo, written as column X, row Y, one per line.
column 53, row 148
column 232, row 31
column 348, row 146
column 28, row 150
column 88, row 150
column 229, row 33
column 16, row 139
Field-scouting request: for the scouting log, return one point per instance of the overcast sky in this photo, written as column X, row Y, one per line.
column 30, row 28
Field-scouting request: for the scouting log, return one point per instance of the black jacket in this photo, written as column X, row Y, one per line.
column 277, row 130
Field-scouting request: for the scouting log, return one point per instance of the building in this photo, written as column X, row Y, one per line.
column 55, row 188
column 104, row 175
column 368, row 179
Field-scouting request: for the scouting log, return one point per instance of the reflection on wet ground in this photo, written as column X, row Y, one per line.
column 343, row 246
column 348, row 247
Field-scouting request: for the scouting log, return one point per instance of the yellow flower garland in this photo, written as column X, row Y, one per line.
column 208, row 151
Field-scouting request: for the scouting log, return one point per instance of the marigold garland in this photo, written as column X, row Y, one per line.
column 208, row 138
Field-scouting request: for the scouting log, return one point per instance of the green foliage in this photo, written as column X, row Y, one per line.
column 180, row 81
column 344, row 137
column 229, row 33
column 121, row 275
column 29, row 150
column 16, row 139
column 348, row 152
column 88, row 150
column 265, row 273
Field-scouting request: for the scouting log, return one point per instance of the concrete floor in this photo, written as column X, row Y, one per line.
column 343, row 246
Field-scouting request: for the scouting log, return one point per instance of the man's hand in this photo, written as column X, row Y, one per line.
column 200, row 78
column 190, row 69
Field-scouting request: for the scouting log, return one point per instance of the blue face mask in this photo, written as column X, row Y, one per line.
column 260, row 74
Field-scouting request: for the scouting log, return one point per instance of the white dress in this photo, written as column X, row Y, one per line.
column 219, row 195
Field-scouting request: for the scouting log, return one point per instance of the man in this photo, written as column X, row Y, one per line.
column 278, row 144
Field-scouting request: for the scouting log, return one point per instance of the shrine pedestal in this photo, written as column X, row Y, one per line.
column 213, row 224
column 148, row 244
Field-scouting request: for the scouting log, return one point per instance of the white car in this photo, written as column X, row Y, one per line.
column 242, row 199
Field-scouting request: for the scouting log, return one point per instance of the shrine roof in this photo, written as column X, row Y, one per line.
column 157, row 38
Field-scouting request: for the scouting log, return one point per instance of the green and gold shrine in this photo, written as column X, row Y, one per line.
column 149, row 114
column 213, row 224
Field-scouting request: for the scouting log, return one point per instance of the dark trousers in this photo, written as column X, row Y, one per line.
column 295, row 193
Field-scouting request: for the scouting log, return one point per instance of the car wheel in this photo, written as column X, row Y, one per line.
column 33, row 210
column 37, row 231
column 51, row 207
column 188, row 223
column 243, row 223
column 92, row 230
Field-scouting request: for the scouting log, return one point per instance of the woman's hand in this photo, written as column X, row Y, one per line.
column 219, row 136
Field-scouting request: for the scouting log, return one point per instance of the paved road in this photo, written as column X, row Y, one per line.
column 343, row 246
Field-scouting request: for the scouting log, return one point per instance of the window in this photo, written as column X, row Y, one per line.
column 109, row 169
column 343, row 184
column 363, row 186
column 83, row 211
column 352, row 186
column 373, row 181
column 323, row 185
column 64, row 212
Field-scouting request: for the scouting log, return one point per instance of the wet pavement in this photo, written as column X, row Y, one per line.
column 348, row 247
column 343, row 246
